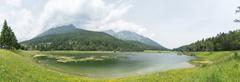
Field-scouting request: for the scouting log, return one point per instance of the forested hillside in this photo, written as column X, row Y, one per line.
column 69, row 37
column 221, row 42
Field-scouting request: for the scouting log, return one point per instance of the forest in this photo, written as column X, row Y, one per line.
column 222, row 42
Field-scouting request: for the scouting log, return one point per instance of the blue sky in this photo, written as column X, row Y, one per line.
column 172, row 23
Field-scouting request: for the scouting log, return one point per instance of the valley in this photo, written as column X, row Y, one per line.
column 68, row 37
column 69, row 54
column 119, row 41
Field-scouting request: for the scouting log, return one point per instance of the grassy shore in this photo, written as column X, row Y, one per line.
column 211, row 67
column 19, row 66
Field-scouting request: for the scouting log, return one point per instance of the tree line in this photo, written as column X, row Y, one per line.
column 7, row 38
column 221, row 42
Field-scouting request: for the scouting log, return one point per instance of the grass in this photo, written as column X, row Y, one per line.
column 19, row 66
column 208, row 58
column 224, row 72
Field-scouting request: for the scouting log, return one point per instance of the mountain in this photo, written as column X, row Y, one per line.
column 132, row 36
column 59, row 30
column 68, row 37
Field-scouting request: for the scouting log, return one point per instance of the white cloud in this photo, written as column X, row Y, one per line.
column 14, row 3
column 97, row 15
column 24, row 29
column 88, row 14
column 81, row 12
column 121, row 25
column 21, row 23
column 191, row 20
column 19, row 19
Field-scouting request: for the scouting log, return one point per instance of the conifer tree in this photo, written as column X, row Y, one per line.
column 13, row 42
column 4, row 36
column 7, row 38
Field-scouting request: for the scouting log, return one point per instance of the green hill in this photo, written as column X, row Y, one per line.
column 221, row 42
column 69, row 37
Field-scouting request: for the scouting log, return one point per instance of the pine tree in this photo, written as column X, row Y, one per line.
column 8, row 39
column 13, row 42
column 4, row 36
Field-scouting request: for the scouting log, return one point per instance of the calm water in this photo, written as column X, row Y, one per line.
column 119, row 65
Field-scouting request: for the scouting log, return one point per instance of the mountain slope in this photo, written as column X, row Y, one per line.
column 221, row 42
column 59, row 30
column 131, row 36
column 69, row 37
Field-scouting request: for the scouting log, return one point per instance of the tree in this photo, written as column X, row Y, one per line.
column 7, row 38
column 4, row 36
column 13, row 43
column 223, row 41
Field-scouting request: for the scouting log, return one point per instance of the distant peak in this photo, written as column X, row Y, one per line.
column 108, row 31
column 59, row 30
column 69, row 26
column 128, row 32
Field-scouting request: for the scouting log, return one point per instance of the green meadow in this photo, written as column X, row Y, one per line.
column 223, row 66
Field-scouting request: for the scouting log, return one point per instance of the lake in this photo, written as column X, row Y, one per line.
column 112, row 65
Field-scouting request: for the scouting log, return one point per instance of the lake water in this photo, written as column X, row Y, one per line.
column 111, row 65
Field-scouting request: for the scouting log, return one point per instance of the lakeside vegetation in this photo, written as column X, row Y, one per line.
column 19, row 66
column 225, row 67
column 221, row 42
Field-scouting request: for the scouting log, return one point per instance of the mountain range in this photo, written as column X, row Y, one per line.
column 68, row 37
column 132, row 36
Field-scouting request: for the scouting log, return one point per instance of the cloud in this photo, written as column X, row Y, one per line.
column 121, row 25
column 14, row 3
column 20, row 19
column 81, row 12
column 97, row 15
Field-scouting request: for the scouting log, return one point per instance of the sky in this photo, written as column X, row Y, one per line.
column 171, row 23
